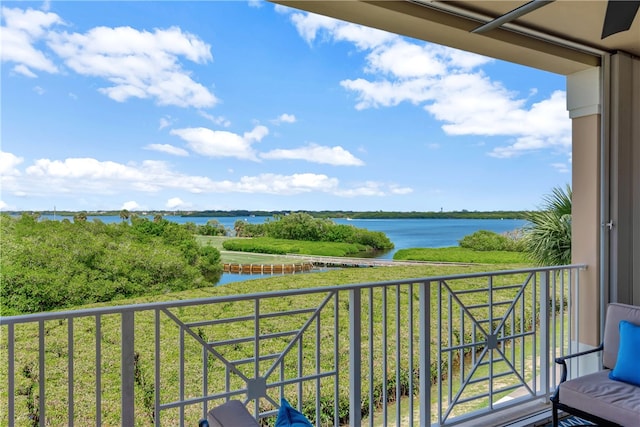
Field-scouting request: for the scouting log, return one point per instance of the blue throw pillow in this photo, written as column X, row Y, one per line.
column 626, row 368
column 288, row 416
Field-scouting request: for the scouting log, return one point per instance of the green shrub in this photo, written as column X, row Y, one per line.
column 304, row 227
column 484, row 240
column 47, row 265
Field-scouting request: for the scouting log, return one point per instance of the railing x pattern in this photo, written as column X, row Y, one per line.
column 434, row 350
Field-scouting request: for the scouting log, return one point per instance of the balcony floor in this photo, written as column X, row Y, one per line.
column 532, row 414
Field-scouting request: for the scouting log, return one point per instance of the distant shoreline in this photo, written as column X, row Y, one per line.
column 464, row 214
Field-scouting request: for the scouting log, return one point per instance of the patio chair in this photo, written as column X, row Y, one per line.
column 607, row 400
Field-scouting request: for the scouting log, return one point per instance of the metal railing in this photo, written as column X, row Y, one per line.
column 435, row 350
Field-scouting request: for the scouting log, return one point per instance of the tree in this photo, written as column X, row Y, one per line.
column 211, row 228
column 124, row 214
column 80, row 217
column 548, row 237
column 238, row 227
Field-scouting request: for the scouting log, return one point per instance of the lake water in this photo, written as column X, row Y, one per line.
column 404, row 233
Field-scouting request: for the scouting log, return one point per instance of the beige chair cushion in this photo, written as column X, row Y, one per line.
column 597, row 394
column 231, row 414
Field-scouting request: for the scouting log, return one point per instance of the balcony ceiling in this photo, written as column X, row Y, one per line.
column 562, row 36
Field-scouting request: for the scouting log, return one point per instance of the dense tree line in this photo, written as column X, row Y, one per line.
column 48, row 265
column 303, row 226
column 463, row 214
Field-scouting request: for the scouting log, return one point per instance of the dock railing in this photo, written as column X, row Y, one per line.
column 425, row 351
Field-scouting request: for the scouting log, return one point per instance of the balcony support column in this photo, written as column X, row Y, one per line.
column 584, row 102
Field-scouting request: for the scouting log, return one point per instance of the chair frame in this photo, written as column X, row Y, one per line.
column 555, row 399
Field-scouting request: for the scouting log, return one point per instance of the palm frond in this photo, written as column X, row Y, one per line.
column 548, row 237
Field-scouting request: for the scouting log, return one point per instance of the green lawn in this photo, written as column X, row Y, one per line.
column 464, row 255
column 234, row 257
column 284, row 246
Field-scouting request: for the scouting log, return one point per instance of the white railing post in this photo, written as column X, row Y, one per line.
column 424, row 330
column 127, row 369
column 545, row 330
column 355, row 358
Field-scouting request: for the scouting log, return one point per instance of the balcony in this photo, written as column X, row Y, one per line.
column 430, row 351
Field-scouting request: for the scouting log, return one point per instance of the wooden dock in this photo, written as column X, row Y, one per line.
column 285, row 268
column 327, row 261
column 309, row 262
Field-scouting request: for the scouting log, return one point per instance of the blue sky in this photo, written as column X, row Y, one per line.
column 247, row 105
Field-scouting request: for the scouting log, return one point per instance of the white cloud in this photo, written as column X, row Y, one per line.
column 374, row 189
column 270, row 183
column 388, row 93
column 10, row 175
column 448, row 84
column 219, row 143
column 369, row 188
column 76, row 177
column 285, row 118
column 545, row 125
column 175, row 202
column 310, row 26
column 314, row 153
column 165, row 122
column 471, row 104
column 138, row 64
column 9, row 164
column 255, row 3
column 4, row 206
column 282, row 9
column 91, row 176
column 256, row 134
column 561, row 167
column 400, row 190
column 21, row 31
column 25, row 71
column 218, row 120
column 406, row 60
column 167, row 148
column 131, row 206
column 38, row 90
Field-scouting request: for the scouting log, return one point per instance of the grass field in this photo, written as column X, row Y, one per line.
column 464, row 255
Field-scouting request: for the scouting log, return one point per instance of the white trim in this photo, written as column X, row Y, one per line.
column 584, row 93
